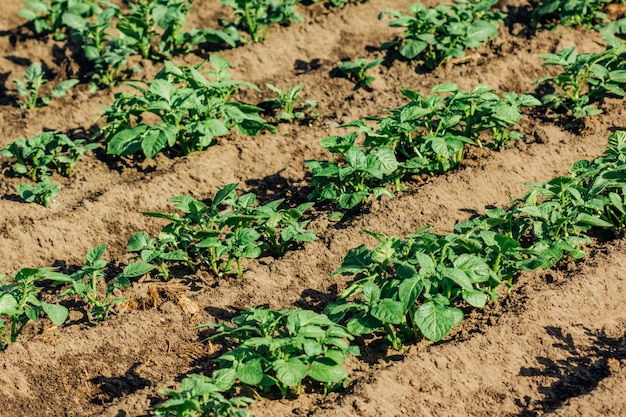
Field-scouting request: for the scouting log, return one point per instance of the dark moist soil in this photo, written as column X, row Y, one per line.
column 552, row 346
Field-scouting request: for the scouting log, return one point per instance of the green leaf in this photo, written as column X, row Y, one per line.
column 290, row 372
column 435, row 320
column 57, row 313
column 388, row 311
column 63, row 87
column 96, row 253
column 126, row 142
column 328, row 371
column 474, row 267
column 137, row 269
column 387, row 160
column 459, row 277
column 475, row 298
column 223, row 192
column 409, row 290
column 412, row 48
column 585, row 218
column 138, row 241
column 251, row 372
column 363, row 325
column 224, row 378
column 8, row 303
column 349, row 201
column 153, row 141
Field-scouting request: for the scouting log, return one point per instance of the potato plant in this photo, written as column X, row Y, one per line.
column 191, row 110
column 256, row 16
column 20, row 302
column 35, row 157
column 440, row 33
column 290, row 109
column 86, row 281
column 41, row 193
column 357, row 71
column 587, row 13
column 51, row 16
column 351, row 182
column 219, row 239
column 586, row 78
column 30, row 85
column 200, row 396
column 284, row 348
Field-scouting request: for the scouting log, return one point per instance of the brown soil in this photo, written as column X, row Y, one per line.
column 553, row 346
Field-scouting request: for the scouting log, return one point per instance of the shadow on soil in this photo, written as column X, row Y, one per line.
column 115, row 387
column 578, row 374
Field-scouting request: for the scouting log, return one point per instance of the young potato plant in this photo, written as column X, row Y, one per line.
column 41, row 193
column 86, row 280
column 420, row 127
column 405, row 287
column 587, row 13
column 280, row 230
column 191, row 111
column 50, row 16
column 359, row 175
column 30, row 85
column 203, row 396
column 35, row 157
column 565, row 208
column 285, row 348
column 219, row 239
column 290, row 108
column 106, row 55
column 20, row 302
column 357, row 71
column 586, row 78
column 444, row 32
column 165, row 21
column 256, row 16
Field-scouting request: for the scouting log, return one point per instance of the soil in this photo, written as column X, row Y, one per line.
column 554, row 345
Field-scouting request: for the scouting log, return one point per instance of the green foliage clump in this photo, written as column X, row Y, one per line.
column 283, row 348
column 357, row 71
column 191, row 111
column 256, row 16
column 30, row 85
column 219, row 239
column 425, row 136
column 587, row 13
column 290, row 108
column 20, row 302
column 444, row 32
column 585, row 78
column 202, row 396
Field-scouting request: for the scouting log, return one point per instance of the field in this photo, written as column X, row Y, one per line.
column 552, row 345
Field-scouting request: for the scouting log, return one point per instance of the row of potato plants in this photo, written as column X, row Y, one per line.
column 156, row 29
column 108, row 36
column 428, row 135
column 214, row 236
column 194, row 108
column 410, row 288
